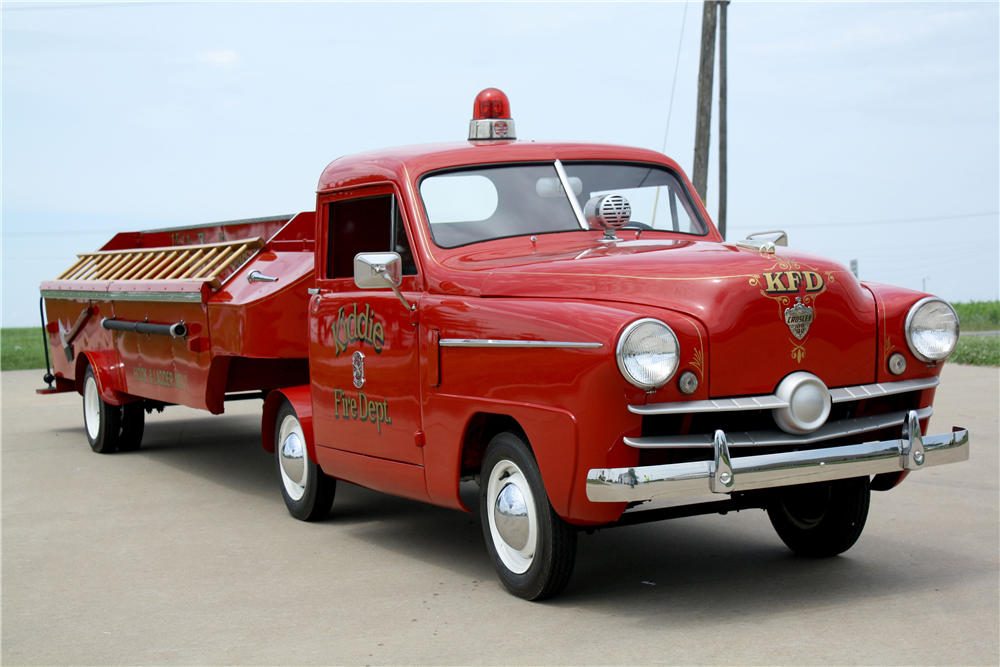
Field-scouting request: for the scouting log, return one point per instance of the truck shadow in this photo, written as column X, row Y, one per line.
column 684, row 571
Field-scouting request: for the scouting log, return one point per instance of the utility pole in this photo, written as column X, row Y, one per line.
column 705, row 73
column 722, row 117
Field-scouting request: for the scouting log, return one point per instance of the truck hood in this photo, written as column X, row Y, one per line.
column 771, row 314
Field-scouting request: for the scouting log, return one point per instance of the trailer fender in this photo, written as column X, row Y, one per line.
column 301, row 399
column 107, row 372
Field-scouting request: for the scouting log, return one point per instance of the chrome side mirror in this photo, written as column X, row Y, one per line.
column 380, row 270
column 377, row 270
column 765, row 241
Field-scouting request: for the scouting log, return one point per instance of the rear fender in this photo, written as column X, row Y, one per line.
column 301, row 400
column 107, row 372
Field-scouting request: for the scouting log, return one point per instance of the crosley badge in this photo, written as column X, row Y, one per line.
column 798, row 318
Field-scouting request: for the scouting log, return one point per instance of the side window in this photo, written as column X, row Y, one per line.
column 366, row 224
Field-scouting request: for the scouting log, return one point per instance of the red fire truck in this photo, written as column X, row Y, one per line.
column 560, row 322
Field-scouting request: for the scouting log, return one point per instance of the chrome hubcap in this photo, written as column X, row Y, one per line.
column 292, row 458
column 511, row 517
column 91, row 408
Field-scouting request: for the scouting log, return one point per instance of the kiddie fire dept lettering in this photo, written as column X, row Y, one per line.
column 354, row 326
column 346, row 406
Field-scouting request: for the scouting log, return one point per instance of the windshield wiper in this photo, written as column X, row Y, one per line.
column 577, row 211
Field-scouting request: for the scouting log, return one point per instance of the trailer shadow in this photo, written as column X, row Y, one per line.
column 224, row 449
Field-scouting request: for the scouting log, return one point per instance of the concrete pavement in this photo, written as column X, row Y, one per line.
column 183, row 553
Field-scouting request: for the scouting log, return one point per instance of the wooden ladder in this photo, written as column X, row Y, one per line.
column 211, row 263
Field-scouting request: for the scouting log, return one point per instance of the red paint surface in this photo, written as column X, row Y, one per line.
column 726, row 305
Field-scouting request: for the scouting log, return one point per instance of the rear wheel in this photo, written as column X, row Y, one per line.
column 532, row 547
column 102, row 420
column 307, row 491
column 823, row 519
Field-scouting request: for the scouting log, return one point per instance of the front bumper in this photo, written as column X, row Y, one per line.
column 725, row 474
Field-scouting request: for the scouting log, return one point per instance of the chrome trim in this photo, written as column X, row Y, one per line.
column 794, row 390
column 770, row 438
column 510, row 514
column 722, row 479
column 486, row 128
column 292, row 464
column 765, row 245
column 564, row 179
column 783, row 469
column 105, row 295
column 498, row 342
column 769, row 402
column 759, row 246
column 258, row 277
column 909, row 320
column 843, row 394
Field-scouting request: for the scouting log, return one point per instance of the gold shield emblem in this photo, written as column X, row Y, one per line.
column 358, row 362
column 798, row 318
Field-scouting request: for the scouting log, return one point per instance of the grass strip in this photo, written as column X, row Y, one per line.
column 978, row 315
column 977, row 351
column 21, row 349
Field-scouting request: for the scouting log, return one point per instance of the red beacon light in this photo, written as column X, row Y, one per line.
column 491, row 116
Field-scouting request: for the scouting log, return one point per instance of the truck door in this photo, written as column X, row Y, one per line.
column 363, row 358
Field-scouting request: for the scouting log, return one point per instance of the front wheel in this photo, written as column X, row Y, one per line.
column 533, row 549
column 307, row 491
column 822, row 519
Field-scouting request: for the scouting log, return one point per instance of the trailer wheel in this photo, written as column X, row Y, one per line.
column 307, row 491
column 133, row 425
column 532, row 547
column 102, row 420
column 823, row 519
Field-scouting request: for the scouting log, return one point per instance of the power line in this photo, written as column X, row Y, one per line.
column 880, row 222
column 40, row 7
column 673, row 86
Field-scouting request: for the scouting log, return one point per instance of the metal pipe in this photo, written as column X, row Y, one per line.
column 178, row 330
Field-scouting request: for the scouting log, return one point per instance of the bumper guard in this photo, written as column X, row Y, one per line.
column 725, row 474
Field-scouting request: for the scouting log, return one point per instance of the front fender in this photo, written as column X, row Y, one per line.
column 301, row 400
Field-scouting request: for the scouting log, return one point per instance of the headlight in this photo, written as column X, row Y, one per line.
column 931, row 329
column 648, row 353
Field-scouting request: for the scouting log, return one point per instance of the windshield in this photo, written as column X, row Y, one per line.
column 487, row 203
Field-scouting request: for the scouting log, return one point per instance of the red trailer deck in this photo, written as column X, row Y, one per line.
column 235, row 329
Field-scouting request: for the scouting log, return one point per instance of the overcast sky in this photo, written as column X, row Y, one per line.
column 868, row 131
